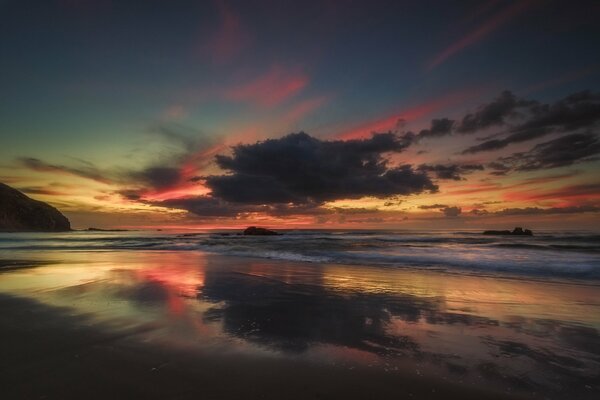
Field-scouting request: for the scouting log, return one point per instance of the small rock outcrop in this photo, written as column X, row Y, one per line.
column 19, row 213
column 516, row 232
column 92, row 229
column 253, row 230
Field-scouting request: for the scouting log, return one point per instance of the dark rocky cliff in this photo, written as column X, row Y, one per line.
column 19, row 213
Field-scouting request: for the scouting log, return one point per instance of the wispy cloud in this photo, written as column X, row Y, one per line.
column 229, row 39
column 481, row 32
column 409, row 113
column 269, row 89
column 83, row 171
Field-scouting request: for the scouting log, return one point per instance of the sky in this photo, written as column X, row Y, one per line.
column 313, row 114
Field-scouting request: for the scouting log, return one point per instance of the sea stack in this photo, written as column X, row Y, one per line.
column 253, row 230
column 516, row 232
column 19, row 213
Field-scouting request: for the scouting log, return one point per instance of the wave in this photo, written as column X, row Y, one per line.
column 554, row 247
column 548, row 254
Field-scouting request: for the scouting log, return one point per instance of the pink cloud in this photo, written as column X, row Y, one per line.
column 174, row 112
column 481, row 32
column 303, row 108
column 561, row 80
column 269, row 89
column 229, row 39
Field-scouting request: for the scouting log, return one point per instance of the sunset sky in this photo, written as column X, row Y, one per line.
column 304, row 114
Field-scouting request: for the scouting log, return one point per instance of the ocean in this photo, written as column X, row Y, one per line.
column 548, row 254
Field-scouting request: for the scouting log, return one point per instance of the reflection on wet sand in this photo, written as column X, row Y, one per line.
column 518, row 336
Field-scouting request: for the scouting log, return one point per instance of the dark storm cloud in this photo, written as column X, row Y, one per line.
column 300, row 169
column 157, row 177
column 568, row 115
column 439, row 127
column 206, row 206
column 520, row 120
column 563, row 151
column 212, row 207
column 494, row 113
column 450, row 171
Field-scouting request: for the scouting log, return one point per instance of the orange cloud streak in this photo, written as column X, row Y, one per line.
column 573, row 192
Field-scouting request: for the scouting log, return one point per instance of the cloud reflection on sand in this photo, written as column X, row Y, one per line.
column 524, row 335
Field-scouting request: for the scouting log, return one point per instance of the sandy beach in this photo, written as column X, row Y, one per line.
column 167, row 324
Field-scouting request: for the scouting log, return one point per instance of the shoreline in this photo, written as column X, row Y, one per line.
column 34, row 262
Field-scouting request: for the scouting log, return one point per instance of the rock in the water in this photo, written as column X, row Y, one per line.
column 517, row 232
column 253, row 230
column 521, row 231
column 19, row 213
column 92, row 229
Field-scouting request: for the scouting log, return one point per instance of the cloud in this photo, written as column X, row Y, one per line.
column 498, row 168
column 575, row 112
column 547, row 211
column 448, row 211
column 301, row 169
column 433, row 206
column 451, row 171
column 481, row 32
column 179, row 135
column 478, row 212
column 212, row 207
column 529, row 211
column 452, row 212
column 229, row 39
column 207, row 206
column 439, row 127
column 85, row 170
column 491, row 114
column 269, row 89
column 396, row 120
column 586, row 191
column 174, row 172
column 41, row 191
column 563, row 151
column 520, row 120
column 157, row 177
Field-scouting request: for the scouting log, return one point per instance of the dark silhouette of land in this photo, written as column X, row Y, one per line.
column 19, row 213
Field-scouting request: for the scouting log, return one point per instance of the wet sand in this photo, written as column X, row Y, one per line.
column 191, row 325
